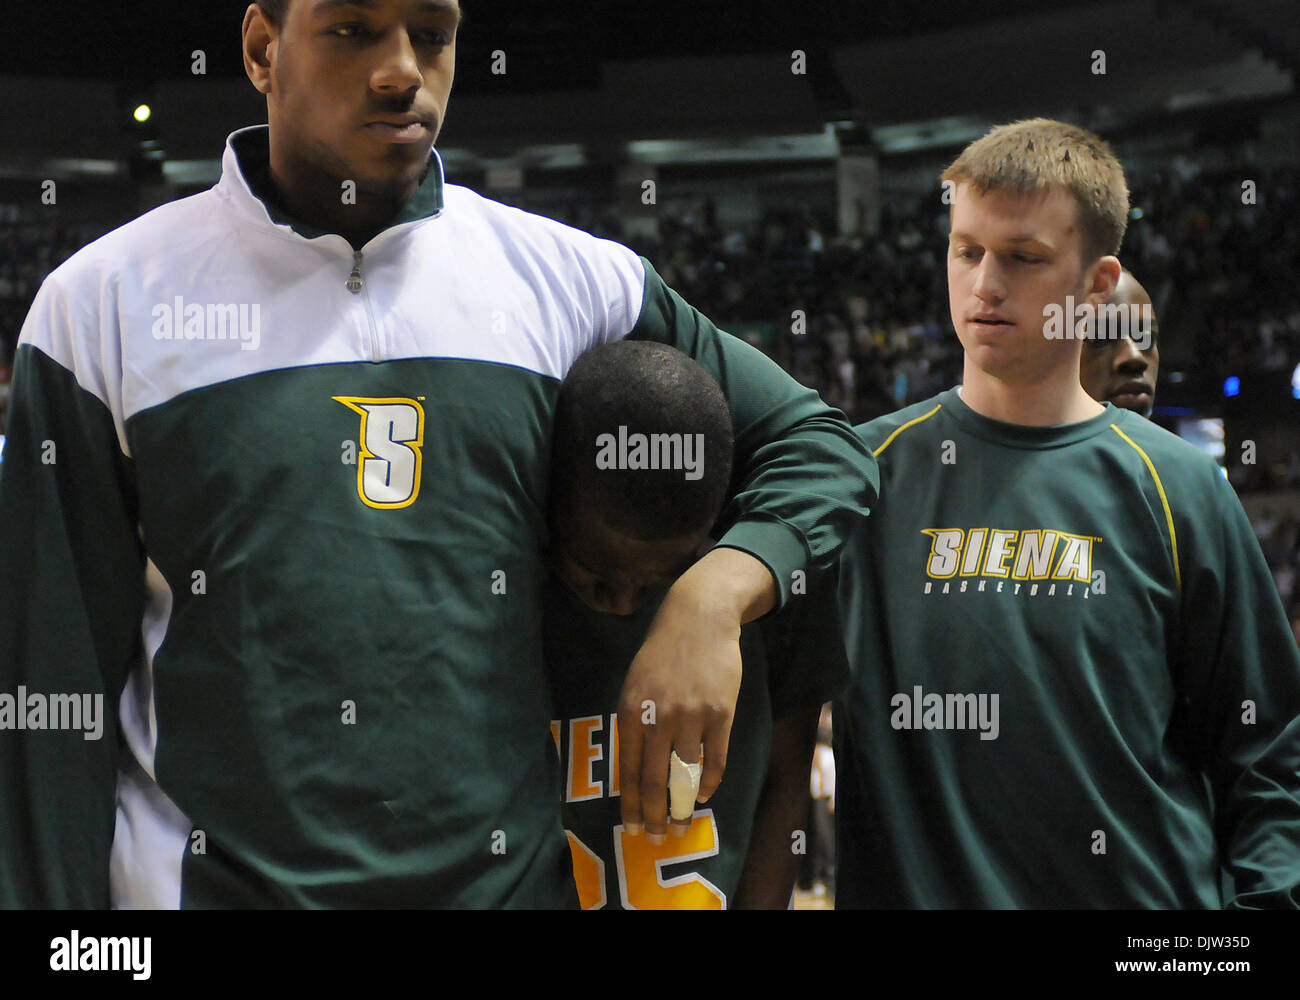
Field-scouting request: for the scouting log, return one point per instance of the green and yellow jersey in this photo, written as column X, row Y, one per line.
column 1054, row 632
column 791, row 662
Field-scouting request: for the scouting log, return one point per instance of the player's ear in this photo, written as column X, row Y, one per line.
column 258, row 38
column 1102, row 278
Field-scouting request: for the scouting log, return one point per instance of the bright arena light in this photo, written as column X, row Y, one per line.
column 1295, row 382
column 143, row 113
column 1231, row 385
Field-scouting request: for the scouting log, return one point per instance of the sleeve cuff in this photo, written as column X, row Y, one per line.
column 776, row 545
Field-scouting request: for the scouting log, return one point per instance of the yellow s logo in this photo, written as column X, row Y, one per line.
column 392, row 434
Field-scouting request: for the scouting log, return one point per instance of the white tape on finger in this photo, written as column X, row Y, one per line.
column 683, row 787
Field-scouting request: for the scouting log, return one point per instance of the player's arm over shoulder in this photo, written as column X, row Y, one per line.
column 803, row 480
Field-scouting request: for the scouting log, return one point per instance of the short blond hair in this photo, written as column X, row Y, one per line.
column 1037, row 154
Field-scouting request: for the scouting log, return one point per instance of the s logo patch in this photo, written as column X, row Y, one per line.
column 392, row 434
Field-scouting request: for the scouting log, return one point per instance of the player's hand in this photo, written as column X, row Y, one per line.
column 680, row 692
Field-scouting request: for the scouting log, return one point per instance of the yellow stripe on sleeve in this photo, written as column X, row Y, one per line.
column 911, row 423
column 1169, row 515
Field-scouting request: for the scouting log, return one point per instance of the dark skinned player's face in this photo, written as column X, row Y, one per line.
column 1117, row 368
column 359, row 90
column 609, row 571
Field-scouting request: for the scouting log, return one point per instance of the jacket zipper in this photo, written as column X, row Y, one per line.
column 356, row 284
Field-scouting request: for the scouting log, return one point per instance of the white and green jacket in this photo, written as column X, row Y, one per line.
column 280, row 506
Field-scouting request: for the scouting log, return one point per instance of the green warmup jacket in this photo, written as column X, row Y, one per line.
column 1073, row 682
column 277, row 506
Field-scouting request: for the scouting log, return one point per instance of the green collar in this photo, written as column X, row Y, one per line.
column 253, row 150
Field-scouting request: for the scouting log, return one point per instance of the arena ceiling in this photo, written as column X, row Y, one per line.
column 150, row 40
column 909, row 74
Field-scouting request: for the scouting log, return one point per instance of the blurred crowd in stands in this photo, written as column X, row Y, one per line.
column 1222, row 248
column 1220, row 262
column 1279, row 537
column 864, row 319
column 33, row 242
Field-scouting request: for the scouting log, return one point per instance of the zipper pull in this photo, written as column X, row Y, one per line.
column 355, row 281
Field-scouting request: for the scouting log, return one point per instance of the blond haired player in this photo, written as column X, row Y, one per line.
column 1058, row 618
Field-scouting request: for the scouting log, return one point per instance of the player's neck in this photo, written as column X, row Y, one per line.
column 1056, row 399
column 314, row 197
